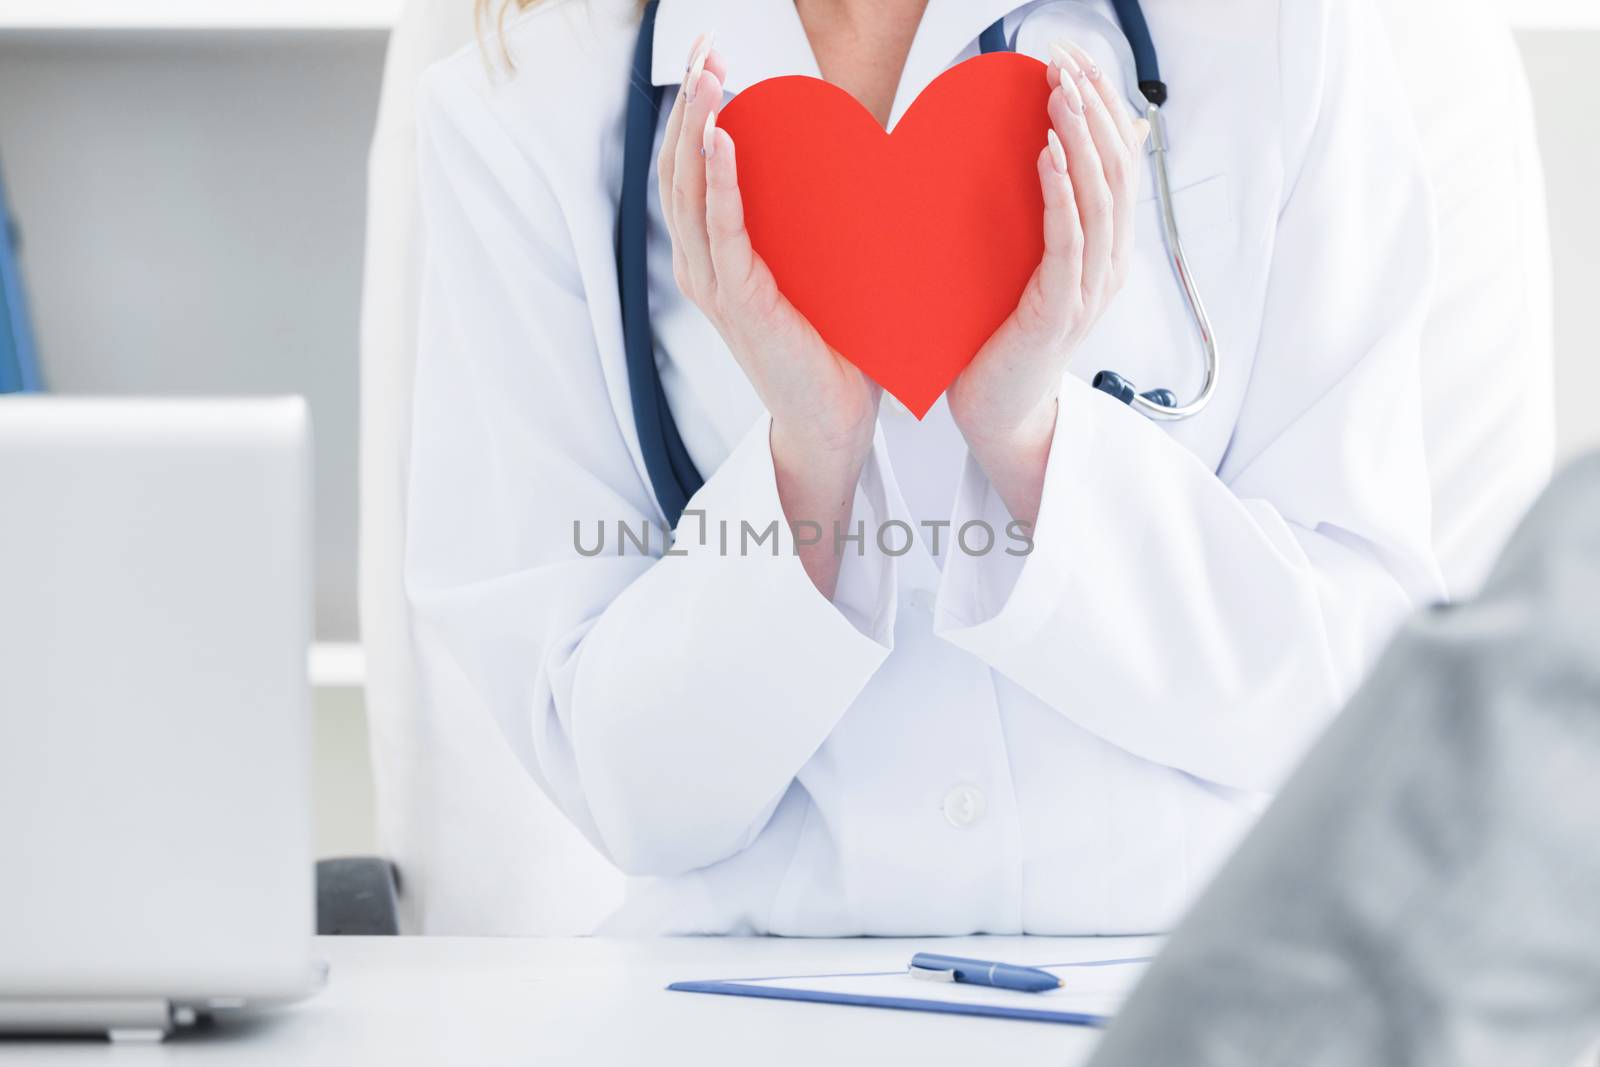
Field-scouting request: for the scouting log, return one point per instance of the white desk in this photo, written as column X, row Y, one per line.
column 483, row 1002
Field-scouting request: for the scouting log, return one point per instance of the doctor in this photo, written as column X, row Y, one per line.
column 842, row 737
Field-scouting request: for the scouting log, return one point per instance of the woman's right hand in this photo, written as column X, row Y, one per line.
column 823, row 408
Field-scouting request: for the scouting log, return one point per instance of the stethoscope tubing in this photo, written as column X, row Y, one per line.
column 1191, row 292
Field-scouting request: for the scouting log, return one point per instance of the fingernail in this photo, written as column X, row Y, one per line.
column 697, row 65
column 1058, row 155
column 694, row 50
column 1068, row 66
column 1084, row 62
column 708, row 136
column 1143, row 128
column 694, row 47
column 1069, row 94
column 702, row 45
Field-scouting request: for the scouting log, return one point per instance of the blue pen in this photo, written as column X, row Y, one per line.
column 982, row 972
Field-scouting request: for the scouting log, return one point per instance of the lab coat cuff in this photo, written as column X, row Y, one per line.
column 867, row 590
column 991, row 602
column 985, row 555
column 741, row 518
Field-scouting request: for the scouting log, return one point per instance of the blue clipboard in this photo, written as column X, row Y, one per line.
column 885, row 989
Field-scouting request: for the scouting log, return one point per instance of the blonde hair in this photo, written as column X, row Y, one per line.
column 485, row 12
column 494, row 13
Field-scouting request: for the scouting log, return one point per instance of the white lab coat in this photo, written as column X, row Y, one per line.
column 1062, row 743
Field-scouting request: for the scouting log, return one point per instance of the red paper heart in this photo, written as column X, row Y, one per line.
column 905, row 250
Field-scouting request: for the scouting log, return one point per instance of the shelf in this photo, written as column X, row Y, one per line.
column 335, row 665
column 380, row 14
column 198, row 14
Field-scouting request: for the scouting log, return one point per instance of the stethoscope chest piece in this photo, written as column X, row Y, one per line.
column 1162, row 404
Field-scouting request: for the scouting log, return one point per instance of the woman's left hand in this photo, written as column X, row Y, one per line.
column 1005, row 401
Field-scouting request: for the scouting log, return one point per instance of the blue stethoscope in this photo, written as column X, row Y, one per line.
column 672, row 473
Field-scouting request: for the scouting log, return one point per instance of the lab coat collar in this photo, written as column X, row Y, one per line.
column 763, row 39
column 758, row 39
column 949, row 28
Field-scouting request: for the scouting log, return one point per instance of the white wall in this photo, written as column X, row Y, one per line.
column 192, row 204
column 1561, row 68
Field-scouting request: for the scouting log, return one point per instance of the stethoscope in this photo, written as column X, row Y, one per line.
column 672, row 473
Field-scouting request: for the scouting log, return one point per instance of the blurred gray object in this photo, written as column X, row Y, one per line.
column 357, row 896
column 1426, row 889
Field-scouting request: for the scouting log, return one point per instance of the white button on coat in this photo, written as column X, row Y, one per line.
column 963, row 806
column 1200, row 598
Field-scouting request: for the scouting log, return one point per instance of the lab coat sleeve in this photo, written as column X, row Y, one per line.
column 1211, row 621
column 664, row 700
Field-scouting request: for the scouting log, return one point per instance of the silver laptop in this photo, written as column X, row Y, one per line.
column 155, row 794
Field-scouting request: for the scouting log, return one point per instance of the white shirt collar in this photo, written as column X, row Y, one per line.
column 949, row 32
column 759, row 39
column 763, row 39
